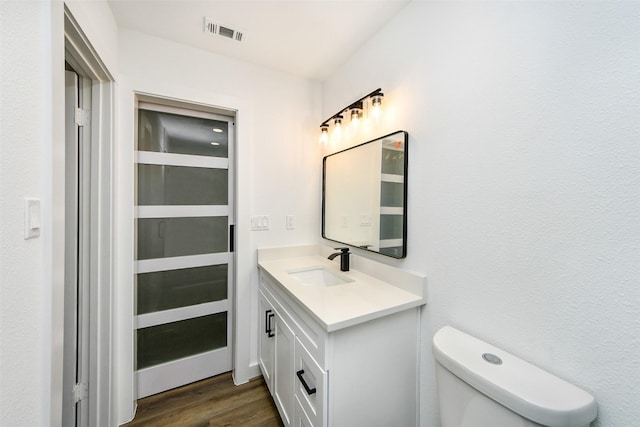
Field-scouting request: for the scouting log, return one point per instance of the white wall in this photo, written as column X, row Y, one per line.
column 524, row 180
column 278, row 155
column 31, row 165
column 100, row 27
column 23, row 295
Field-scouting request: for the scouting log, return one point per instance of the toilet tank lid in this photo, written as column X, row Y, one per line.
column 520, row 386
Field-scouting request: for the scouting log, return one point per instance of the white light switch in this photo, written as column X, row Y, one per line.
column 260, row 222
column 32, row 218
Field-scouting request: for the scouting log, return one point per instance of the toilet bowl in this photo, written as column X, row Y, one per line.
column 480, row 385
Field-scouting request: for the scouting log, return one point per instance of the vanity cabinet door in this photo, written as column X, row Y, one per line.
column 267, row 339
column 284, row 374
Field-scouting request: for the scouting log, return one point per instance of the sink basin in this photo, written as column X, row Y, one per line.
column 318, row 276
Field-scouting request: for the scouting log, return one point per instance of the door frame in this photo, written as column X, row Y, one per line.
column 80, row 54
column 131, row 91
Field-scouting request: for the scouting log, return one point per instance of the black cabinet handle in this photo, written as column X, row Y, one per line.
column 309, row 391
column 266, row 321
column 268, row 315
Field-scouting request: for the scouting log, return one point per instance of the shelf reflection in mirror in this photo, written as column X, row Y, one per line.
column 364, row 195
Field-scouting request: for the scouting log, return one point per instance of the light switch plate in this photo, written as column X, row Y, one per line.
column 32, row 218
column 291, row 222
column 365, row 220
column 260, row 222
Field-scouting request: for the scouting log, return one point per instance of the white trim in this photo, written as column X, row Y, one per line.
column 87, row 61
column 175, row 263
column 244, row 328
column 179, row 372
column 183, row 313
column 252, row 371
column 181, row 211
column 53, row 226
column 171, row 159
column 388, row 210
column 388, row 177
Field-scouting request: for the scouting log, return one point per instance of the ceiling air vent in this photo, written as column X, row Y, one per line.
column 225, row 31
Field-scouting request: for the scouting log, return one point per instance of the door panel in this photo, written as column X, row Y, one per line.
column 165, row 290
column 164, row 131
column 267, row 339
column 184, row 263
column 171, row 341
column 173, row 237
column 181, row 185
column 284, row 373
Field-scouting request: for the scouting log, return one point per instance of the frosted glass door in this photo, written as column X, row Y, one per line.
column 183, row 258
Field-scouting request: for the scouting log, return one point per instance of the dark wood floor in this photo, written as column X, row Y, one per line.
column 214, row 402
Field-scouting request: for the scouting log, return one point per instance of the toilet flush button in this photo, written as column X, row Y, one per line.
column 492, row 358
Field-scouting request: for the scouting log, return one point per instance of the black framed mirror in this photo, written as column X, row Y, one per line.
column 364, row 195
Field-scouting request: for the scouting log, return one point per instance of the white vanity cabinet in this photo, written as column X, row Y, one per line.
column 363, row 374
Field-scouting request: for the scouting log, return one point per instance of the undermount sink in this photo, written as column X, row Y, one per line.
column 318, row 276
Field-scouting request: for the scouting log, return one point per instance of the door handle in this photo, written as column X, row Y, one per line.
column 309, row 390
column 268, row 315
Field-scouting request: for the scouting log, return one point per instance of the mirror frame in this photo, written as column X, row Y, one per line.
column 405, row 186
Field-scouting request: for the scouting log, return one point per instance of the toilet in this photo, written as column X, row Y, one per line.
column 480, row 385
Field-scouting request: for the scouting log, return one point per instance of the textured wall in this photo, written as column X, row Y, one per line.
column 31, row 165
column 23, row 121
column 524, row 179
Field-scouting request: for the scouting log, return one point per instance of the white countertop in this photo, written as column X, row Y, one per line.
column 339, row 306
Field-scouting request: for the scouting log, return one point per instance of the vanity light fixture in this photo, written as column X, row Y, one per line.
column 355, row 112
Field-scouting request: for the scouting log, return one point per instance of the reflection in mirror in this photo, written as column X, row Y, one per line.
column 364, row 195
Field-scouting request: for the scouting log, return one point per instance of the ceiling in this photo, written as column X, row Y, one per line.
column 307, row 38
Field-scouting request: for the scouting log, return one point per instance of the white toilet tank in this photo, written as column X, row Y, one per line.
column 480, row 385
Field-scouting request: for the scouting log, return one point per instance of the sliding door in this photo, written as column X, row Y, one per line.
column 184, row 249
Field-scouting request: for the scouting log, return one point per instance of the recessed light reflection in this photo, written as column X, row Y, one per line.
column 217, row 130
column 215, row 143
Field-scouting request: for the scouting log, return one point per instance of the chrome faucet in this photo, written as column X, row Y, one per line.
column 344, row 258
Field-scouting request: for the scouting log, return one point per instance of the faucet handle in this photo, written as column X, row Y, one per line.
column 343, row 250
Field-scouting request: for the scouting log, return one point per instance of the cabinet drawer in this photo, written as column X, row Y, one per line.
column 301, row 419
column 310, row 385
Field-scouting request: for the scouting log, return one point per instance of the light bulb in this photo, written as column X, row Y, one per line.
column 376, row 104
column 338, row 122
column 356, row 115
column 336, row 135
column 324, row 134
